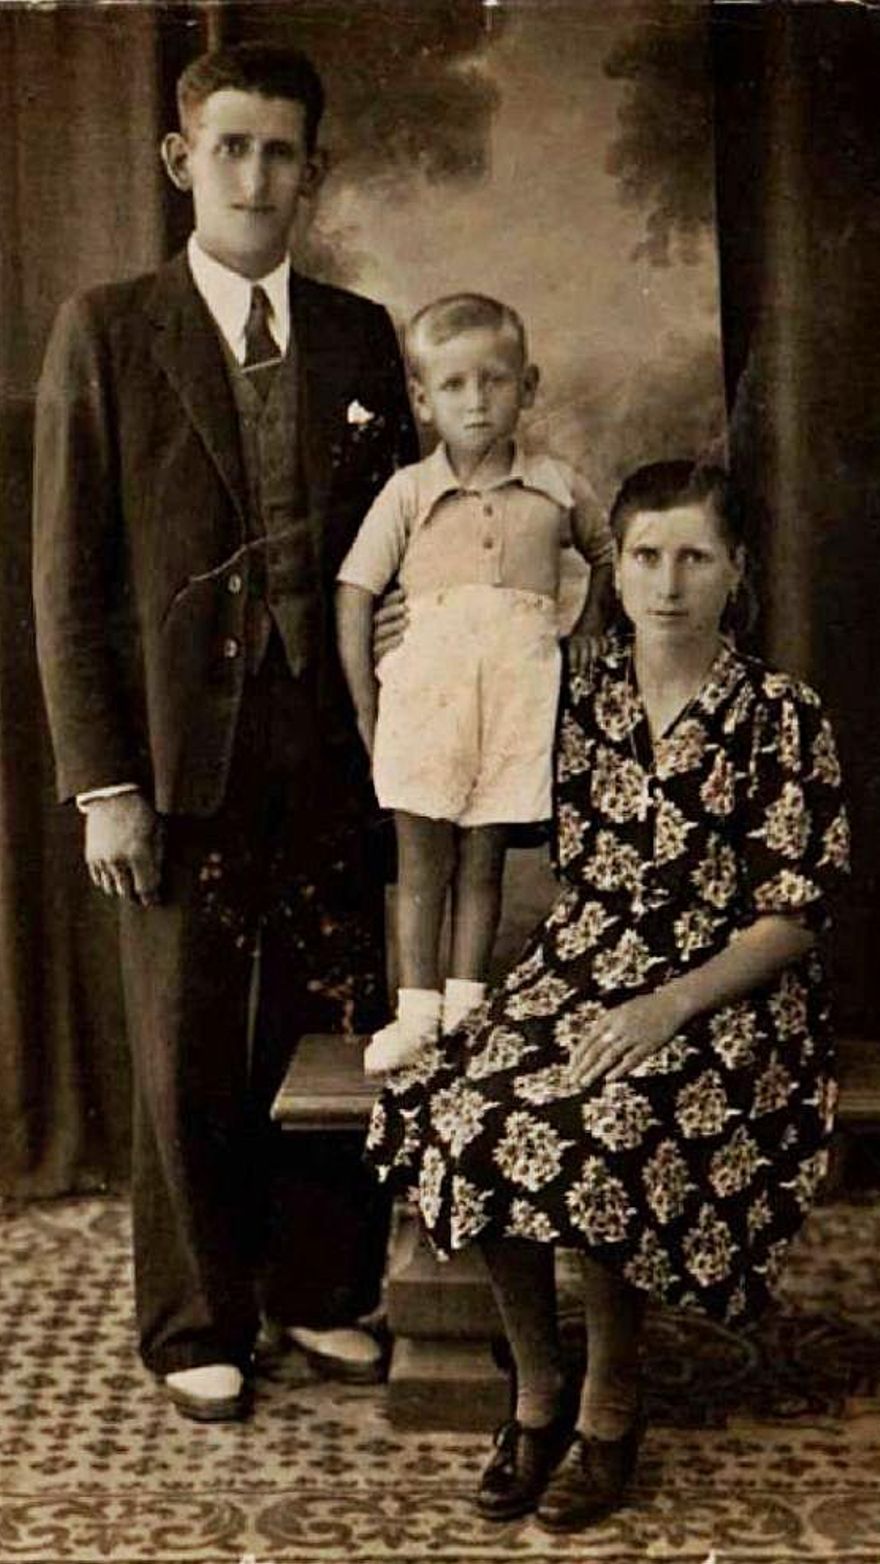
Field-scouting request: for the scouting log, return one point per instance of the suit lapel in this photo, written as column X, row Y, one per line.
column 318, row 391
column 187, row 346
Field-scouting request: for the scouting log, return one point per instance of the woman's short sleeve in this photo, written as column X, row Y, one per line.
column 795, row 842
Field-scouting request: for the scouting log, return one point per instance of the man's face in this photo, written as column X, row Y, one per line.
column 244, row 157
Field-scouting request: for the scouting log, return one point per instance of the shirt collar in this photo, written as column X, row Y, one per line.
column 228, row 297
column 527, row 469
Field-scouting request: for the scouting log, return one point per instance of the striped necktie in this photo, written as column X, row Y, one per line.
column 261, row 353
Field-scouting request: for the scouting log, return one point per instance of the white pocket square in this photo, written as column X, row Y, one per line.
column 358, row 415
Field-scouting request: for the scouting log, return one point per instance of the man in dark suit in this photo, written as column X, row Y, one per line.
column 208, row 438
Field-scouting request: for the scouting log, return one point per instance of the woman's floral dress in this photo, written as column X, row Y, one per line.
column 690, row 1175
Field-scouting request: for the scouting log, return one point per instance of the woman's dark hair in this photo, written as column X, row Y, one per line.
column 269, row 69
column 663, row 485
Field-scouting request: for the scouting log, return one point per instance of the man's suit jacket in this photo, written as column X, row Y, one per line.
column 140, row 574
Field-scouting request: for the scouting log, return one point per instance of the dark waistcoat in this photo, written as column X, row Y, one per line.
column 284, row 580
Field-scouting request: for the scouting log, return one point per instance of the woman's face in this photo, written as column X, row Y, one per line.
column 674, row 573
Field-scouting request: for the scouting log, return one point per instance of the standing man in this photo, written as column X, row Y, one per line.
column 208, row 438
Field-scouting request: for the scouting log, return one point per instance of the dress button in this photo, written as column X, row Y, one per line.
column 488, row 543
column 234, row 583
column 488, row 511
column 231, row 647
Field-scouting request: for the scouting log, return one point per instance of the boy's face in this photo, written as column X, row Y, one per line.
column 472, row 389
column 245, row 159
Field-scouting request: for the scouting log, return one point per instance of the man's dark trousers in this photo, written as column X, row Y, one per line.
column 222, row 1198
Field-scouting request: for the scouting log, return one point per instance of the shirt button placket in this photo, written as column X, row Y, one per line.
column 491, row 545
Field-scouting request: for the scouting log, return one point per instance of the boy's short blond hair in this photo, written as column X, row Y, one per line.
column 448, row 317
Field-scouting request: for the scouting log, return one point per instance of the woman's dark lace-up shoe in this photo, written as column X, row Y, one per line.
column 590, row 1483
column 521, row 1464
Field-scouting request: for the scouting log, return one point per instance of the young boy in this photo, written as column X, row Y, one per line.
column 461, row 737
column 202, row 466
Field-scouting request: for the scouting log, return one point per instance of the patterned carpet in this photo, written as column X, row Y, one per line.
column 763, row 1449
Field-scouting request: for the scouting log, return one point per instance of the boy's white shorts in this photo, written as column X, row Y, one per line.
column 467, row 708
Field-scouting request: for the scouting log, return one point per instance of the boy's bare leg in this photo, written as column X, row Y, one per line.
column 425, row 858
column 425, row 862
column 476, row 900
column 476, row 911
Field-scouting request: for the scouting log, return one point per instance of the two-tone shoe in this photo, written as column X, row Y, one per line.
column 353, row 1356
column 209, row 1393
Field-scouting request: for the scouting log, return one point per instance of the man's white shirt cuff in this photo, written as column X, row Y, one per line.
column 84, row 799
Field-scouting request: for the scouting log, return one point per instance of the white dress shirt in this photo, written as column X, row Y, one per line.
column 228, row 297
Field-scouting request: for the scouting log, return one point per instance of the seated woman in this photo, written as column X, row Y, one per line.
column 653, row 1084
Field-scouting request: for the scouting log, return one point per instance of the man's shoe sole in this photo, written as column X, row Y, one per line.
column 208, row 1409
column 345, row 1370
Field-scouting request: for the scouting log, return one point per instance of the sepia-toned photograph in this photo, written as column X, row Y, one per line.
column 439, row 781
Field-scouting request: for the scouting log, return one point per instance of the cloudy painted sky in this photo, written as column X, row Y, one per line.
column 500, row 183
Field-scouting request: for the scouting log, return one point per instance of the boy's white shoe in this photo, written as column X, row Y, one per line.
column 460, row 997
column 417, row 1027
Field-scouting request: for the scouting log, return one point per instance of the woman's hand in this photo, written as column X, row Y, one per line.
column 390, row 620
column 624, row 1036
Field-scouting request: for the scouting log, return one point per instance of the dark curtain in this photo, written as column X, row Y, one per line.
column 83, row 93
column 798, row 161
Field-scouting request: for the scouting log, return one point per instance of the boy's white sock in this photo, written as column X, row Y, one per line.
column 417, row 1026
column 460, row 997
column 418, row 1011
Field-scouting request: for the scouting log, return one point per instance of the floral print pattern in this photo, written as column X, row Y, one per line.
column 690, row 1175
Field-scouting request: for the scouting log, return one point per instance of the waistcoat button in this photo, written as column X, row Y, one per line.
column 231, row 647
column 234, row 583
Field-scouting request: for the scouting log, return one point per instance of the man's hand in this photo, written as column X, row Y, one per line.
column 624, row 1036
column 367, row 729
column 390, row 620
column 124, row 847
column 583, row 646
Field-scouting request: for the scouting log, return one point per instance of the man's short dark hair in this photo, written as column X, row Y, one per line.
column 665, row 485
column 270, row 69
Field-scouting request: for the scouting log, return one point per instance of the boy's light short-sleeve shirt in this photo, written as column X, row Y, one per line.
column 435, row 532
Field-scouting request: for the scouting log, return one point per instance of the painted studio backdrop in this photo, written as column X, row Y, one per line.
column 563, row 156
